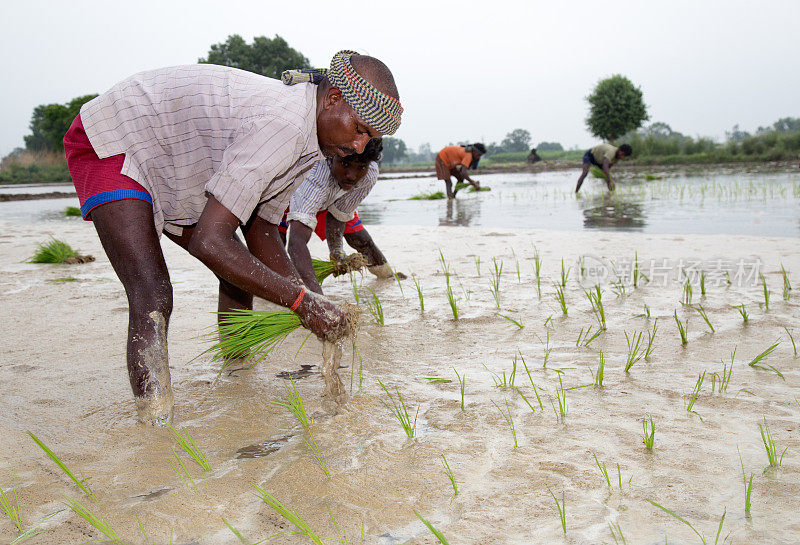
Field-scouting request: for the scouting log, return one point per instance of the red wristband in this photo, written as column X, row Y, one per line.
column 298, row 300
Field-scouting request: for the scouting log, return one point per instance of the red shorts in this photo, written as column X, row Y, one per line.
column 97, row 181
column 352, row 226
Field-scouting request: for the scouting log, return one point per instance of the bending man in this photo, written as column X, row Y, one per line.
column 454, row 161
column 603, row 156
column 197, row 152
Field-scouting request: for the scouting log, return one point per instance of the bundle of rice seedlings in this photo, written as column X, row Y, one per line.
column 323, row 269
column 55, row 251
column 72, row 211
column 251, row 334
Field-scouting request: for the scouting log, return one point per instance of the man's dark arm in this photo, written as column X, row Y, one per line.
column 607, row 174
column 261, row 270
column 299, row 234
column 334, row 229
column 465, row 176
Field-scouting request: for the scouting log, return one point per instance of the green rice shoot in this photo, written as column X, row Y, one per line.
column 537, row 269
column 400, row 411
column 648, row 433
column 433, row 530
column 787, row 285
column 462, row 383
column 702, row 312
column 316, row 453
column 765, row 291
column 651, row 337
column 687, row 293
column 791, row 338
column 510, row 319
column 595, row 297
column 748, row 486
column 55, row 251
column 375, row 308
column 294, row 403
column 561, row 300
column 635, row 351
column 687, row 523
column 682, row 329
column 564, row 274
column 598, row 376
column 419, row 294
column 99, row 523
column 351, row 263
column 562, row 510
column 185, row 477
column 450, row 476
column 695, row 392
column 303, row 529
column 743, row 312
column 72, row 211
column 757, row 361
column 11, row 509
column 451, row 299
column 509, row 420
column 494, row 287
column 81, row 483
column 533, row 385
column 188, row 445
column 769, row 446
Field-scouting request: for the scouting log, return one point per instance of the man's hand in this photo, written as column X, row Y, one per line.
column 327, row 321
column 611, row 184
column 338, row 257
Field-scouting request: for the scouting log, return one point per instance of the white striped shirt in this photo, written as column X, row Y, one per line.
column 319, row 191
column 187, row 130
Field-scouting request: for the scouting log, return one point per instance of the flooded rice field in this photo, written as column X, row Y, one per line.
column 528, row 395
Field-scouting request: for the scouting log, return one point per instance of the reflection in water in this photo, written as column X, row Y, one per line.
column 610, row 212
column 461, row 212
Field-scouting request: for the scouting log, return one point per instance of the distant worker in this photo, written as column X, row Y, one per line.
column 533, row 157
column 454, row 161
column 603, row 156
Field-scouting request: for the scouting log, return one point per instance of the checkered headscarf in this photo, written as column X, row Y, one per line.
column 378, row 110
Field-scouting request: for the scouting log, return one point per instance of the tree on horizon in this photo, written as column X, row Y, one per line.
column 616, row 107
column 266, row 56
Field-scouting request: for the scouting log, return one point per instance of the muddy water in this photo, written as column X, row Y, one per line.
column 63, row 375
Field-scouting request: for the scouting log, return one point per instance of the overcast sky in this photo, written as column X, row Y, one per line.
column 465, row 70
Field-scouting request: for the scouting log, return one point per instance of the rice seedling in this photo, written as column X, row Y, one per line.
column 766, row 291
column 419, row 294
column 400, row 411
column 598, row 376
column 648, row 433
column 433, row 530
column 561, row 397
column 791, row 338
column 687, row 523
column 236, row 532
column 375, row 307
column 548, row 321
column 100, row 523
column 603, row 470
column 645, row 314
column 618, row 287
column 728, row 278
column 616, row 533
column 695, row 392
column 354, row 284
column 562, row 510
column 769, row 446
column 787, row 285
column 81, row 483
column 428, row 196
column 438, row 380
column 595, row 297
column 399, row 284
column 303, row 529
column 495, row 282
column 30, row 532
column 748, row 485
column 537, row 269
column 757, row 361
column 450, row 476
column 702, row 283
column 516, row 262
column 462, row 384
column 547, row 350
column 55, row 251
column 510, row 319
column 651, row 336
column 702, row 312
column 451, row 299
column 535, row 390
column 687, row 293
column 560, row 298
column 682, row 328
column 11, row 509
column 352, row 263
column 72, row 211
column 477, row 260
column 316, row 453
column 185, row 477
column 190, row 447
column 582, row 266
column 467, row 291
column 508, row 418
column 294, row 403
column 251, row 333
column 564, row 274
column 743, row 311
column 720, row 381
column 445, row 265
column 635, row 350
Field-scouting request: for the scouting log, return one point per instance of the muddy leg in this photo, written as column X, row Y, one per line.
column 586, row 167
column 128, row 235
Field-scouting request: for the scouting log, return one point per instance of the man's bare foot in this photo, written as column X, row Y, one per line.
column 156, row 410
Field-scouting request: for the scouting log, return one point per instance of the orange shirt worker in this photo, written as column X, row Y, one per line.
column 454, row 161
